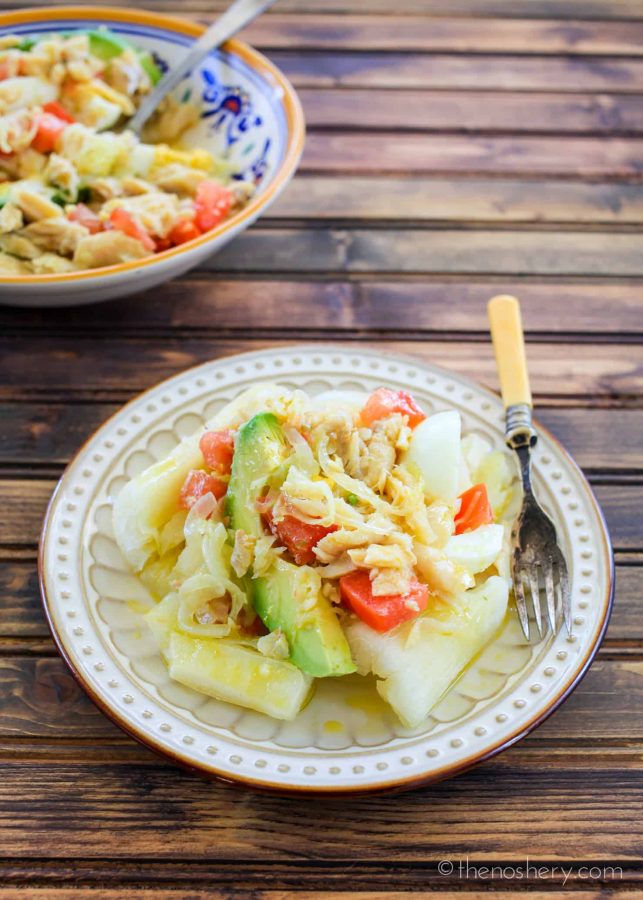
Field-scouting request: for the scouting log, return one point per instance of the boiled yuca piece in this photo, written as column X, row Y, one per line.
column 476, row 550
column 419, row 661
column 238, row 674
column 149, row 500
column 434, row 452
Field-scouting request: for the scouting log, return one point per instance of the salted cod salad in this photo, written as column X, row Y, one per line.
column 75, row 194
column 300, row 538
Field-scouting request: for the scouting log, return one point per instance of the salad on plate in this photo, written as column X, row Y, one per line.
column 76, row 193
column 299, row 538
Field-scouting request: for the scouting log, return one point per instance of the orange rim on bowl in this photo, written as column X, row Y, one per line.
column 291, row 105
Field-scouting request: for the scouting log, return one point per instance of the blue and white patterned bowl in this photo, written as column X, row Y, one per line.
column 251, row 117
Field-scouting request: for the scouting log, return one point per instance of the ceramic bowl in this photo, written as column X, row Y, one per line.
column 346, row 739
column 251, row 116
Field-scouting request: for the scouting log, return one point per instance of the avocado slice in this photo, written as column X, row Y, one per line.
column 105, row 44
column 149, row 66
column 287, row 597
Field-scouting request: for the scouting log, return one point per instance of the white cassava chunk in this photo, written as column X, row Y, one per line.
column 476, row 550
column 238, row 674
column 434, row 452
column 149, row 500
column 419, row 661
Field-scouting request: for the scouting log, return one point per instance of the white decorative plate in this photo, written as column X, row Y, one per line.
column 345, row 739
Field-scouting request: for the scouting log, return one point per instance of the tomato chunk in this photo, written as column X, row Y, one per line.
column 183, row 231
column 197, row 484
column 48, row 130
column 85, row 216
column 475, row 509
column 384, row 402
column 386, row 612
column 122, row 221
column 58, row 110
column 211, row 204
column 299, row 538
column 217, row 448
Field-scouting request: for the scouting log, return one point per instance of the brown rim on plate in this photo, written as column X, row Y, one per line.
column 397, row 784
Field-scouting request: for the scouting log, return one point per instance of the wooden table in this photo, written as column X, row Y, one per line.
column 453, row 150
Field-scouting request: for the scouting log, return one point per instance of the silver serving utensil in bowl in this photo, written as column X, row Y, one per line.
column 237, row 16
column 537, row 562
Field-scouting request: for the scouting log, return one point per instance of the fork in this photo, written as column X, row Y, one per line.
column 536, row 557
column 239, row 14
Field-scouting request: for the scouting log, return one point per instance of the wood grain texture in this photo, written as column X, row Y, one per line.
column 167, row 814
column 456, row 148
column 475, row 110
column 48, row 434
column 557, row 157
column 603, row 10
column 564, row 253
column 95, row 366
column 411, row 198
column 453, row 71
column 458, row 35
column 426, row 306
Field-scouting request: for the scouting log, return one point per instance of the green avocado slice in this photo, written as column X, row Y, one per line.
column 287, row 597
column 105, row 44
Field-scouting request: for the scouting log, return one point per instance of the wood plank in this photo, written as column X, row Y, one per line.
column 21, row 614
column 99, row 368
column 452, row 71
column 305, row 876
column 48, row 434
column 427, row 307
column 565, row 253
column 283, row 31
column 196, row 893
column 24, row 502
column 557, row 157
column 475, row 110
column 167, row 814
column 413, row 199
column 629, row 10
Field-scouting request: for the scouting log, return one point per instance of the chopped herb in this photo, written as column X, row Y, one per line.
column 84, row 195
column 353, row 499
column 26, row 44
column 60, row 199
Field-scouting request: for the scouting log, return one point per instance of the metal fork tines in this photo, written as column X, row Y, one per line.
column 537, row 563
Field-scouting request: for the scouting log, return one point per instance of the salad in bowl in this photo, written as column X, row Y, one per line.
column 75, row 194
column 298, row 538
column 90, row 211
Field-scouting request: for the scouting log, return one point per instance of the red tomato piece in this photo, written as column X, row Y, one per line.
column 211, row 204
column 58, row 110
column 85, row 216
column 4, row 70
column 385, row 612
column 122, row 221
column 162, row 243
column 299, row 538
column 183, row 231
column 196, row 485
column 475, row 509
column 217, row 448
column 49, row 129
column 384, row 402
